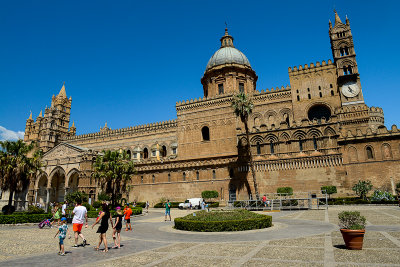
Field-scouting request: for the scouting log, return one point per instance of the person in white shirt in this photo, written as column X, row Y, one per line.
column 64, row 208
column 80, row 216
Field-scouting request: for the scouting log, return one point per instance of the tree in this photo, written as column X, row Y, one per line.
column 112, row 171
column 76, row 196
column 362, row 188
column 329, row 189
column 287, row 191
column 243, row 107
column 16, row 167
column 209, row 194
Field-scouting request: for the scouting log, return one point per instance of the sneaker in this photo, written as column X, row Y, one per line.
column 59, row 253
column 84, row 242
column 62, row 254
column 75, row 246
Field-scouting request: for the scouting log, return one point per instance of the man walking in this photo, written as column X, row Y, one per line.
column 80, row 216
column 167, row 210
column 128, row 212
column 64, row 208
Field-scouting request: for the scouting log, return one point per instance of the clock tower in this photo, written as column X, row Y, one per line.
column 344, row 57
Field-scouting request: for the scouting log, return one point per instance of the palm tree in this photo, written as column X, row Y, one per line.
column 112, row 171
column 16, row 167
column 243, row 107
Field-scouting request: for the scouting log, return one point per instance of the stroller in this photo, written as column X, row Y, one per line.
column 45, row 222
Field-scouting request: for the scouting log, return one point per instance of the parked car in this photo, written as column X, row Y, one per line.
column 196, row 203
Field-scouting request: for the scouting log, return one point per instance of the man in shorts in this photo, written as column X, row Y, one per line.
column 80, row 216
column 167, row 210
column 128, row 212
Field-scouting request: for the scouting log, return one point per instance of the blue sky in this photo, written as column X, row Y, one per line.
column 128, row 62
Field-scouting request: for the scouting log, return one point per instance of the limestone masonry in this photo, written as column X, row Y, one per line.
column 317, row 131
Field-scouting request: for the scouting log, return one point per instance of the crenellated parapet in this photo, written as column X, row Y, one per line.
column 360, row 114
column 134, row 130
column 303, row 69
column 366, row 133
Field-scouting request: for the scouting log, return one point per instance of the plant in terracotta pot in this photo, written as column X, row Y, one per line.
column 352, row 227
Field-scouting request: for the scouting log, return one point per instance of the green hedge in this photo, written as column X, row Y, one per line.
column 23, row 218
column 213, row 204
column 141, row 204
column 222, row 221
column 173, row 205
column 355, row 201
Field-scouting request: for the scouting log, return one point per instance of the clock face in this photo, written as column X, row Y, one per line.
column 350, row 89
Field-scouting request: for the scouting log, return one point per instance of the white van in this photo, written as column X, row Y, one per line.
column 196, row 203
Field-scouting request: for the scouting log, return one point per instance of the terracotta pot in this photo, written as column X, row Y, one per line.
column 353, row 238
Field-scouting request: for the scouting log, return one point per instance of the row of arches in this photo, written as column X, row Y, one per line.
column 369, row 152
column 271, row 118
column 153, row 151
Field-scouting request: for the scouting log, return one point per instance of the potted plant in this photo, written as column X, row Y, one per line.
column 352, row 227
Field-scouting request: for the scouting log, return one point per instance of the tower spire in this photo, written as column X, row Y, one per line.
column 226, row 40
column 62, row 92
column 337, row 18
column 30, row 116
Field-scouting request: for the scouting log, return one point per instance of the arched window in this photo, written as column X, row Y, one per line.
column 231, row 173
column 258, row 148
column 241, row 87
column 205, row 132
column 197, row 175
column 300, row 145
column 184, row 176
column 164, row 151
column 141, row 179
column 169, row 177
column 271, row 145
column 154, row 179
column 315, row 143
column 220, row 88
column 214, row 175
column 145, row 153
column 370, row 153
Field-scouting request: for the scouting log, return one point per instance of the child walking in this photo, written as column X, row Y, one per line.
column 62, row 233
column 117, row 228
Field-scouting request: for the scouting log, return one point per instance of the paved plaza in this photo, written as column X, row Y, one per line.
column 298, row 238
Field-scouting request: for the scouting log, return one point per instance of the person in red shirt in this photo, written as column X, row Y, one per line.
column 128, row 212
column 264, row 200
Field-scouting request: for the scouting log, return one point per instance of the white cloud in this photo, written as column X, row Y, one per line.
column 6, row 134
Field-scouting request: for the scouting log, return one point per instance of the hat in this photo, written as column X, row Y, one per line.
column 63, row 219
column 118, row 208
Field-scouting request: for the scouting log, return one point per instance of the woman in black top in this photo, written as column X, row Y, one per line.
column 117, row 228
column 104, row 217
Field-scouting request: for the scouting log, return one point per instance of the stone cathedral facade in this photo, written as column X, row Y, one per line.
column 317, row 131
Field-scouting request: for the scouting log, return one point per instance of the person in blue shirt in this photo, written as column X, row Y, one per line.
column 62, row 233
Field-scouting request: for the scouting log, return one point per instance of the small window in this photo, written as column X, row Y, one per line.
column 214, row 174
column 141, row 179
column 205, row 132
column 271, row 145
column 174, row 150
column 370, row 153
column 298, row 98
column 154, row 179
column 231, row 173
column 154, row 153
column 300, row 145
column 145, row 153
column 297, row 91
column 197, row 175
column 184, row 176
column 241, row 87
column 258, row 148
column 320, row 94
column 315, row 143
column 169, row 177
column 164, row 151
column 331, row 86
column 220, row 88
column 308, row 89
column 332, row 93
column 309, row 96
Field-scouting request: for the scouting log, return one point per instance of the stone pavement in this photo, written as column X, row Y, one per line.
column 298, row 238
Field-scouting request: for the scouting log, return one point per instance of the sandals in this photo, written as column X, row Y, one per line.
column 96, row 249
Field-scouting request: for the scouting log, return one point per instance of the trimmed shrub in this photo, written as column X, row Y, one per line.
column 222, row 221
column 8, row 209
column 351, row 220
column 285, row 191
column 329, row 189
column 96, row 204
column 382, row 196
column 141, row 204
column 23, row 218
column 213, row 204
column 209, row 194
column 362, row 188
column 35, row 210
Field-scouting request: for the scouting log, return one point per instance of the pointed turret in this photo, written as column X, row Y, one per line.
column 337, row 18
column 30, row 116
column 73, row 124
column 62, row 92
column 40, row 114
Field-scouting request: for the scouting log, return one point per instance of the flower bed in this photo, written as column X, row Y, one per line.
column 222, row 221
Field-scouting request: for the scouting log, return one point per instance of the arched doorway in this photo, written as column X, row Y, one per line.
column 57, row 186
column 232, row 193
column 73, row 182
column 41, row 192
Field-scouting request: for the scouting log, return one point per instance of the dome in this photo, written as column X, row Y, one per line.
column 227, row 55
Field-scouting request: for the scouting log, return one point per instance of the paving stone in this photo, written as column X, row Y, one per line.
column 367, row 256
column 196, row 261
column 281, row 264
column 131, row 260
column 395, row 234
column 232, row 250
column 175, row 247
column 284, row 253
column 302, row 242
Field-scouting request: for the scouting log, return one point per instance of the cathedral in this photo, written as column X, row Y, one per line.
column 318, row 131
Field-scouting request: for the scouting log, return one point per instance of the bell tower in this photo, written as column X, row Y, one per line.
column 344, row 57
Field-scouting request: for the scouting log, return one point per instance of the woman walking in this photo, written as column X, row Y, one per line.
column 117, row 228
column 56, row 214
column 103, row 219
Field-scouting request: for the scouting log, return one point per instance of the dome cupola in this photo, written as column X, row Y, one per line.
column 228, row 71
